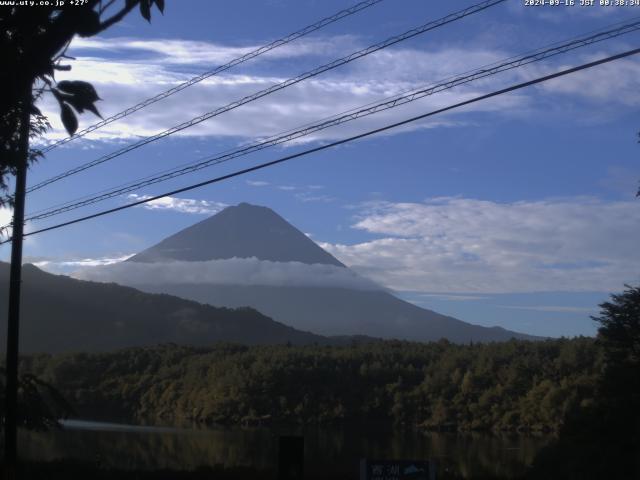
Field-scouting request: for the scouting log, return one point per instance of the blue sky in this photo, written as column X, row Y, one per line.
column 518, row 211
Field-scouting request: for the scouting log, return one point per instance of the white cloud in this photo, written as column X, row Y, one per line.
column 126, row 71
column 168, row 50
column 459, row 245
column 257, row 183
column 182, row 205
column 6, row 217
column 455, row 298
column 234, row 271
column 208, row 54
column 125, row 81
column 53, row 265
column 616, row 83
column 551, row 308
column 308, row 197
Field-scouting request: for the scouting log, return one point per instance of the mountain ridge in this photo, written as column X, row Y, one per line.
column 374, row 313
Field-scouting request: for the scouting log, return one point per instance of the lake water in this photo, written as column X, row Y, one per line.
column 331, row 449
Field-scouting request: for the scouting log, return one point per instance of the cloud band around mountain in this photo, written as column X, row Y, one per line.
column 233, row 271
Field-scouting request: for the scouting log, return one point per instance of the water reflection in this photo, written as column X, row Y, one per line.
column 333, row 450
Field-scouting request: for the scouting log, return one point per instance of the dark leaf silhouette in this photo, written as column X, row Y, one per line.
column 160, row 5
column 80, row 89
column 80, row 95
column 92, row 108
column 90, row 24
column 80, row 105
column 69, row 119
column 145, row 9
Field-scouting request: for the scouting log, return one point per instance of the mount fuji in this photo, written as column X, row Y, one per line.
column 248, row 255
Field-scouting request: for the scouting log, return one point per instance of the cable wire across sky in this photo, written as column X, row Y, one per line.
column 393, row 102
column 340, row 142
column 452, row 17
column 592, row 36
column 210, row 73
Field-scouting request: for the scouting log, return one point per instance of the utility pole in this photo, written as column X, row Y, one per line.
column 15, row 282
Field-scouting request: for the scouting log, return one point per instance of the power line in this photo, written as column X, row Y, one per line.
column 339, row 142
column 279, row 86
column 203, row 76
column 592, row 36
column 392, row 102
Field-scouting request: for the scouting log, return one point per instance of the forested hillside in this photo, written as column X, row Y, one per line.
column 62, row 314
column 503, row 386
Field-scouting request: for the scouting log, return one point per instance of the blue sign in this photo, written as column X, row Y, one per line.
column 396, row 470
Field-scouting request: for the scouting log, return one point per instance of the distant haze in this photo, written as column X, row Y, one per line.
column 232, row 271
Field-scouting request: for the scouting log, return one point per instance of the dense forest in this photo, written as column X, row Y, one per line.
column 516, row 385
column 585, row 389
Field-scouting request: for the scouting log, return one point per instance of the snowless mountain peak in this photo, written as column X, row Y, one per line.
column 241, row 231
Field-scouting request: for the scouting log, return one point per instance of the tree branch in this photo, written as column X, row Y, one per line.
column 130, row 5
column 106, row 6
column 62, row 52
